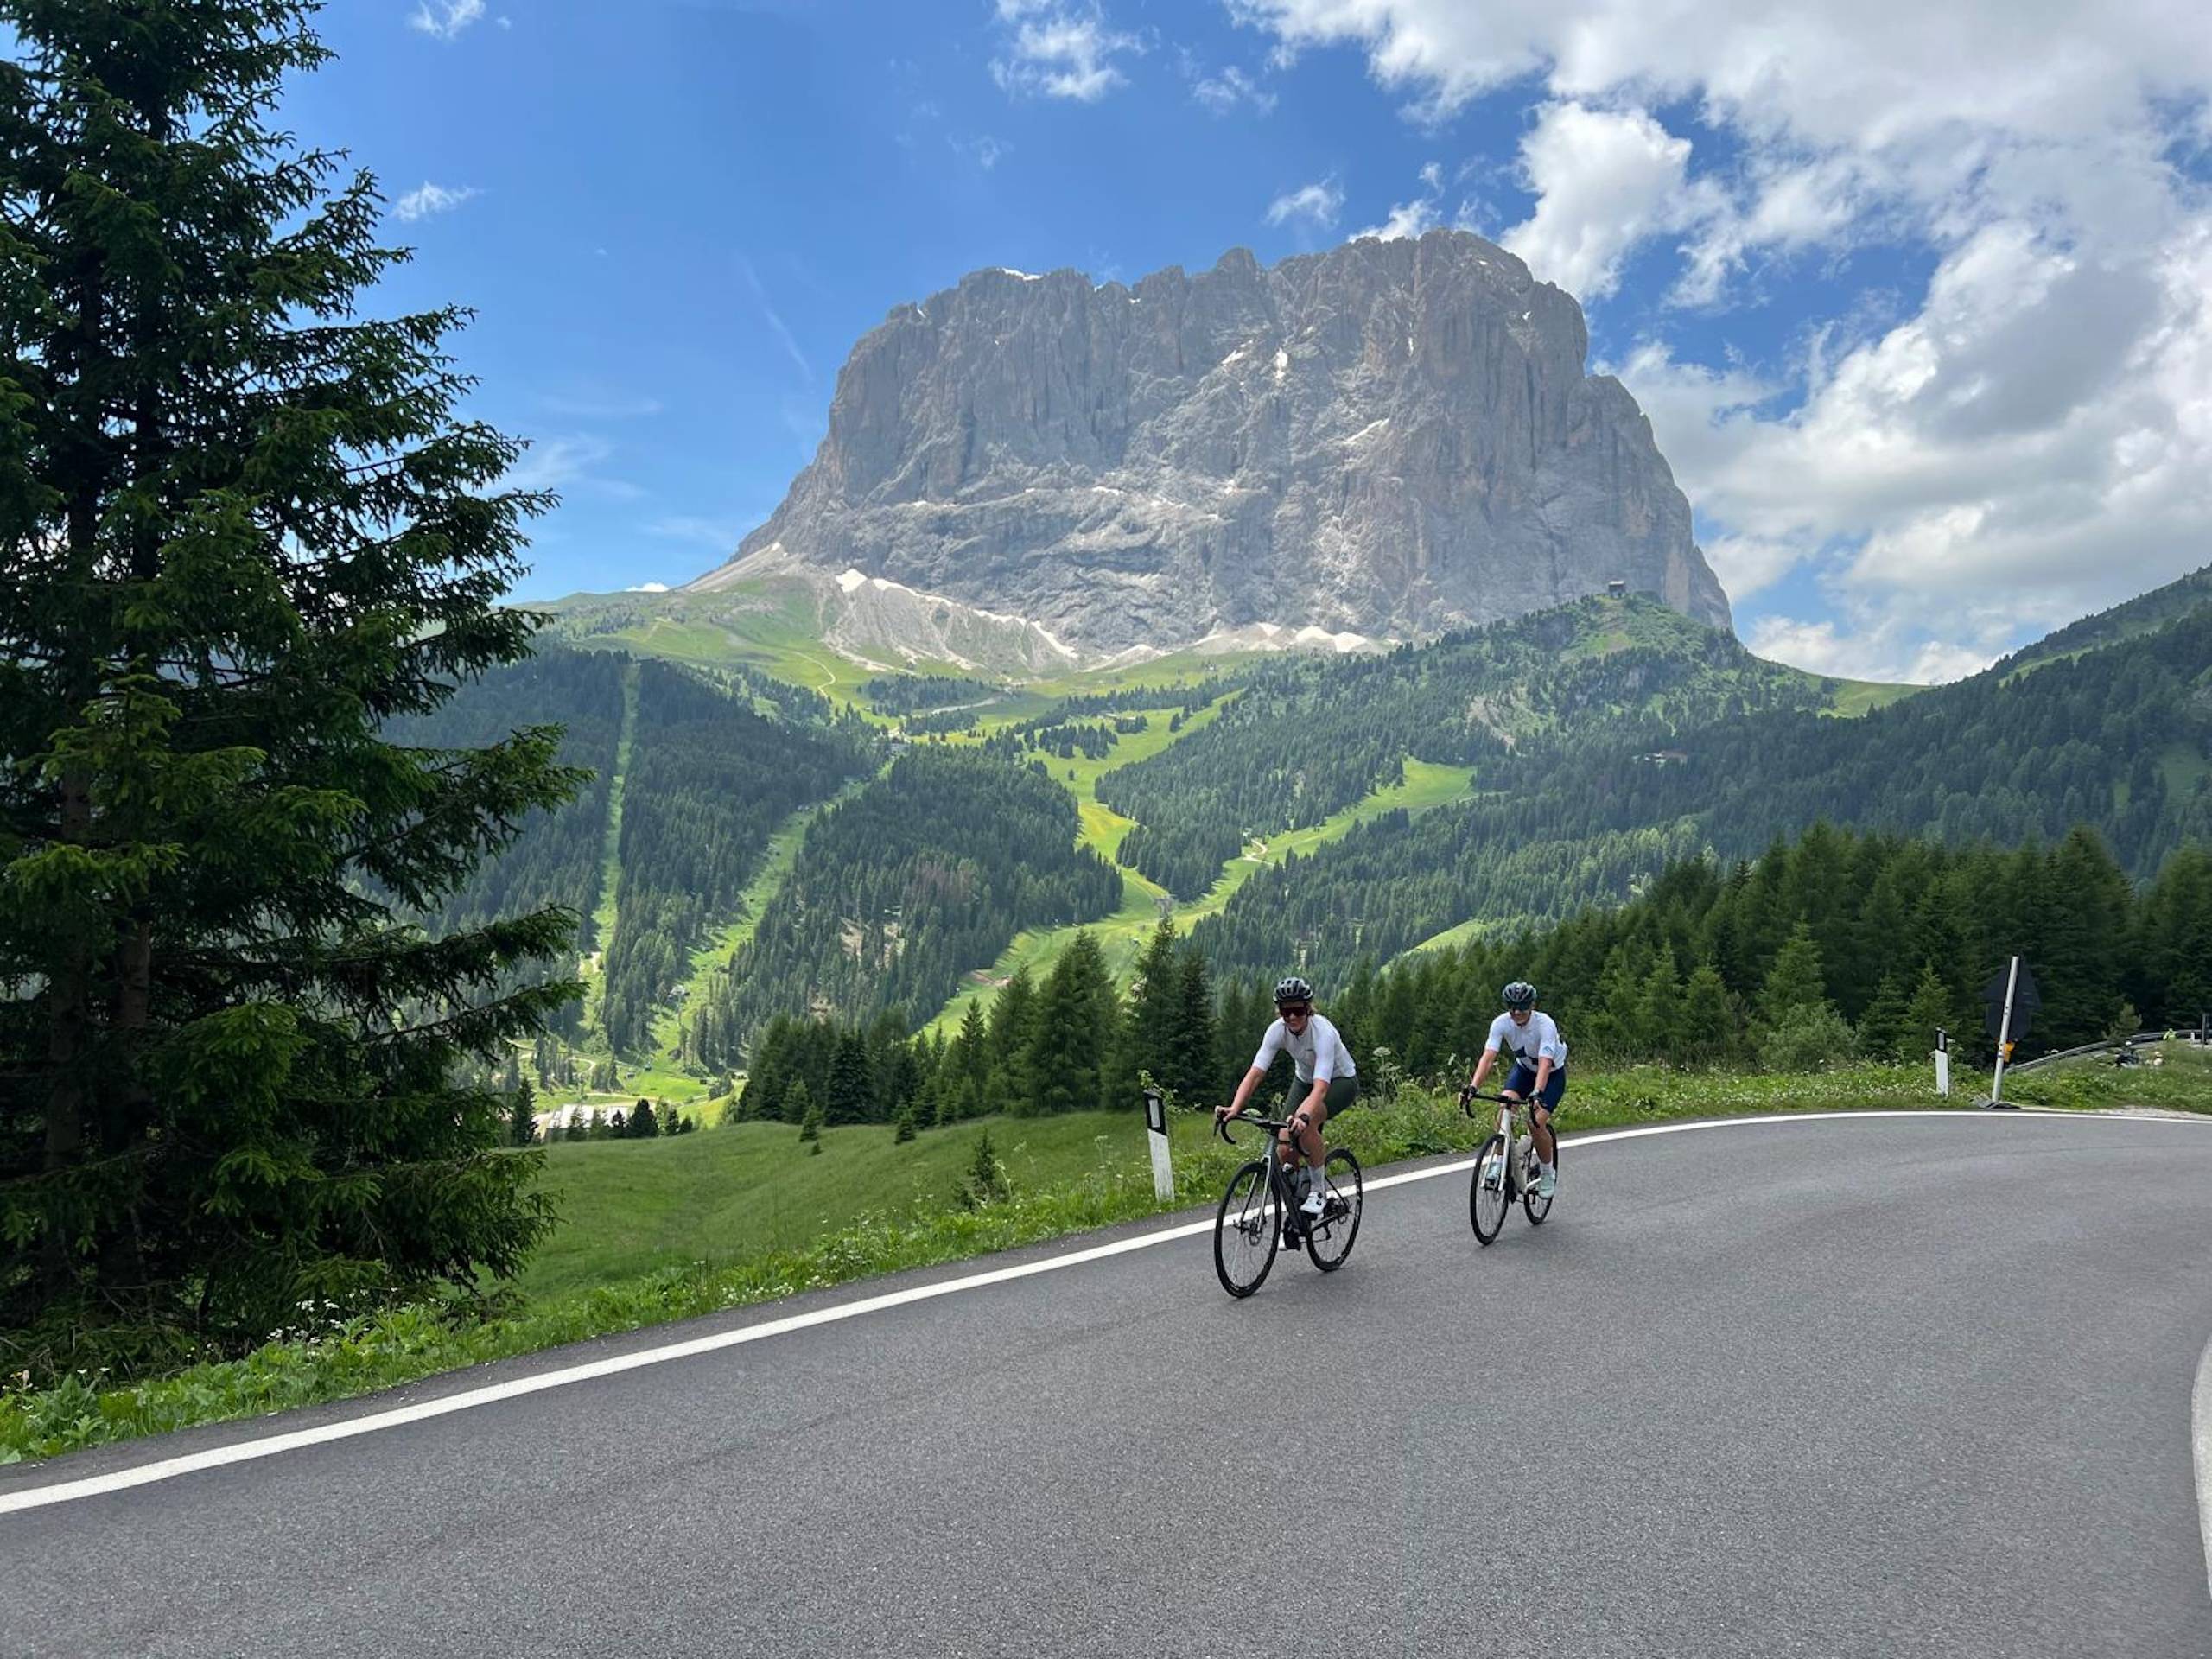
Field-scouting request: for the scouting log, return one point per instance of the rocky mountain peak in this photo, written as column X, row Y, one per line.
column 1389, row 439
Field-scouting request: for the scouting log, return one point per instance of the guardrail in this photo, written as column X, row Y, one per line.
column 2178, row 1034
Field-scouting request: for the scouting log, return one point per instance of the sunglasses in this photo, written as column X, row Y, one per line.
column 1297, row 1012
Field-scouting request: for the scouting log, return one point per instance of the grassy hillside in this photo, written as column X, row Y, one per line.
column 631, row 1207
column 2145, row 614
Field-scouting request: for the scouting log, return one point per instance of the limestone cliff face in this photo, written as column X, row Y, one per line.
column 1388, row 439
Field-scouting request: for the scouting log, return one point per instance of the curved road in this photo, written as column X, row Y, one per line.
column 1876, row 1386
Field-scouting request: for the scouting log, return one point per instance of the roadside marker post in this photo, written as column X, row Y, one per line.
column 1942, row 1063
column 2020, row 999
column 1155, row 1122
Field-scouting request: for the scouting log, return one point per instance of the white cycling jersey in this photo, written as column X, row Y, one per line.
column 1318, row 1052
column 1537, row 1041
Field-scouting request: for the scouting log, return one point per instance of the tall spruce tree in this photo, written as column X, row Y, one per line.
column 1067, row 1044
column 1191, row 1049
column 1143, row 1044
column 852, row 1088
column 1795, row 980
column 241, row 527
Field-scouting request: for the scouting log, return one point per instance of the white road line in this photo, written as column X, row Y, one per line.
column 2201, row 1421
column 270, row 1445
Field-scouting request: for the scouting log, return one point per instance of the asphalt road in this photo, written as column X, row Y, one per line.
column 1891, row 1386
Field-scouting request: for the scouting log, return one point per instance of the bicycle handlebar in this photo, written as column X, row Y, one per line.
column 1272, row 1125
column 1468, row 1096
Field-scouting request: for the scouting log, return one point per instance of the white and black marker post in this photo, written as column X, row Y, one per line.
column 1942, row 1063
column 2005, row 1033
column 1155, row 1123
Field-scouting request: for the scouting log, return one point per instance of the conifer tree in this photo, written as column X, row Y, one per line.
column 1659, row 1009
column 1707, row 1032
column 852, row 1092
column 1795, row 980
column 242, row 527
column 1928, row 1010
column 1067, row 1045
column 522, row 1115
column 1882, row 1029
column 1146, row 1031
column 1190, row 1071
column 1013, row 1020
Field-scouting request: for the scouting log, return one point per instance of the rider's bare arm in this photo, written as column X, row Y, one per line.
column 1252, row 1079
column 1482, row 1068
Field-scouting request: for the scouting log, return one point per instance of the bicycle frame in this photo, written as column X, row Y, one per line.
column 1520, row 1140
column 1278, row 1178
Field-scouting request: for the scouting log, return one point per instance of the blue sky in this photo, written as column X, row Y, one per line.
column 1927, row 350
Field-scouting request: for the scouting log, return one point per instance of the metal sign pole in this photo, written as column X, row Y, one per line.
column 1155, row 1122
column 2005, row 1036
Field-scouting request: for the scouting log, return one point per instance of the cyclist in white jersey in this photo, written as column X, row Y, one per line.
column 1327, row 1078
column 1539, row 1073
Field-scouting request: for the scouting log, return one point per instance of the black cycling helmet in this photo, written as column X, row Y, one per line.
column 1291, row 988
column 1520, row 995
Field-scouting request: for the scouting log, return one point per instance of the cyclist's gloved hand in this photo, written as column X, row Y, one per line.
column 1226, row 1111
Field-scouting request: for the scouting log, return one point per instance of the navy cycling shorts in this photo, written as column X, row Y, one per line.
column 1523, row 1082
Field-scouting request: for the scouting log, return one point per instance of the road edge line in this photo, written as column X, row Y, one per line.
column 2201, row 1424
column 248, row 1451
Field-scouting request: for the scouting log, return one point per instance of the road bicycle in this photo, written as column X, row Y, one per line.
column 1259, row 1212
column 1506, row 1169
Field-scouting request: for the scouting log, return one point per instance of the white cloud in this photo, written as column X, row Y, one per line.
column 1319, row 202
column 2026, row 437
column 1410, row 218
column 560, row 462
column 1224, row 93
column 444, row 19
column 1604, row 180
column 1879, row 652
column 1747, row 564
column 1407, row 218
column 1831, row 73
column 427, row 199
column 647, row 587
column 1060, row 48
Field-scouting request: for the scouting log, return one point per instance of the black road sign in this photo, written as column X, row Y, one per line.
column 2025, row 1000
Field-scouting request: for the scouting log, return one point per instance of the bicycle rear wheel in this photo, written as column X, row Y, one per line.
column 1486, row 1189
column 1328, row 1240
column 1534, row 1206
column 1245, row 1230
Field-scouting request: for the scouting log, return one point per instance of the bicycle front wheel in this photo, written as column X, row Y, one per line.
column 1328, row 1240
column 1487, row 1198
column 1245, row 1230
